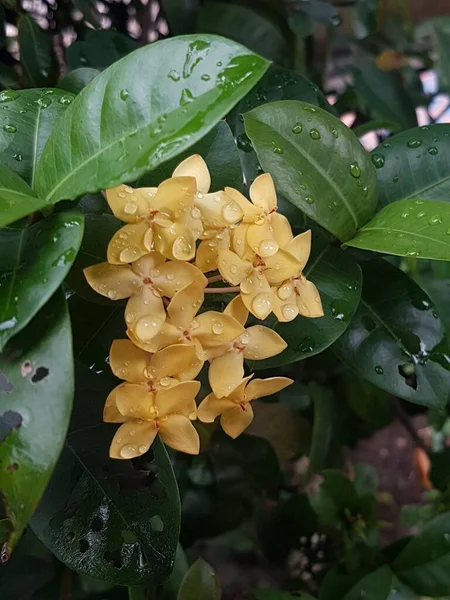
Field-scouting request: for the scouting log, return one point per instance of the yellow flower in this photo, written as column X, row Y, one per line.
column 389, row 60
column 235, row 409
column 296, row 295
column 144, row 282
column 207, row 330
column 227, row 362
column 208, row 250
column 146, row 413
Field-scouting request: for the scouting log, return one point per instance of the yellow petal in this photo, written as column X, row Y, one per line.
column 263, row 343
column 257, row 295
column 148, row 263
column 308, row 299
column 232, row 268
column 132, row 439
column 226, row 372
column 250, row 211
column 176, row 275
column 113, row 281
column 237, row 310
column 282, row 266
column 285, row 309
column 176, row 242
column 171, row 361
column 169, row 334
column 178, row 399
column 258, row 388
column 127, row 204
column 237, row 419
column 282, row 231
column 238, row 394
column 263, row 194
column 239, row 240
column 214, row 329
column 179, row 433
column 185, row 304
column 145, row 314
column 206, row 258
column 195, row 166
column 127, row 244
column 300, row 247
column 111, row 413
column 176, row 194
column 197, row 364
column 218, row 209
column 261, row 240
column 211, row 407
column 135, row 401
column 192, row 219
column 128, row 362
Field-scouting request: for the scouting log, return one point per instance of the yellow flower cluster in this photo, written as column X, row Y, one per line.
column 174, row 234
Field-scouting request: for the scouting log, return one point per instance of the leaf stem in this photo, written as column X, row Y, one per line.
column 215, row 278
column 221, row 290
column 136, row 592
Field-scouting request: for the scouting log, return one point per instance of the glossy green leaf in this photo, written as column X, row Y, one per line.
column 408, row 228
column 396, row 339
column 25, row 125
column 200, row 583
column 114, row 520
column 36, row 53
column 276, row 84
column 441, row 29
column 220, row 152
column 33, row 264
column 76, row 80
column 414, row 164
column 376, row 585
column 424, row 563
column 383, row 96
column 324, row 418
column 180, row 15
column 317, row 164
column 338, row 279
column 99, row 49
column 117, row 134
column 364, row 128
column 17, row 199
column 36, row 386
column 244, row 26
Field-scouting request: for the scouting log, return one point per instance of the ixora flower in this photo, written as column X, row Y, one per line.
column 235, row 409
column 296, row 295
column 144, row 282
column 226, row 370
column 169, row 218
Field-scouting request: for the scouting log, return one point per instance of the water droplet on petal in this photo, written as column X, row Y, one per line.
column 112, row 294
column 128, row 255
column 245, row 338
column 143, row 449
column 231, row 213
column 217, row 328
column 128, row 451
column 285, row 290
column 289, row 311
column 262, row 305
column 182, row 249
column 165, row 381
column 267, row 248
column 195, row 213
column 130, row 208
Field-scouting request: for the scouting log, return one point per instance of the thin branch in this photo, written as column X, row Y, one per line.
column 215, row 278
column 222, row 290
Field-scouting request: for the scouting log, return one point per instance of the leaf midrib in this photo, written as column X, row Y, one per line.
column 413, row 234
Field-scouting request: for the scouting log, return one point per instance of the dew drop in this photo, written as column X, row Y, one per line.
column 217, row 328
column 65, row 100
column 143, row 449
column 379, row 370
column 395, row 179
column 174, row 75
column 298, row 128
column 267, row 248
column 335, row 133
column 130, row 208
column 435, row 220
column 314, row 134
column 124, row 94
column 18, row 157
column 112, row 294
column 414, row 143
column 262, row 305
column 277, row 149
column 182, row 249
column 355, row 170
column 231, row 213
column 289, row 311
column 285, row 290
column 8, row 95
column 9, row 128
column 128, row 255
column 309, row 200
column 421, row 214
column 378, row 160
column 165, row 381
column 128, row 451
column 433, row 150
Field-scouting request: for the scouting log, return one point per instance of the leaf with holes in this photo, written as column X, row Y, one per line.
column 36, row 391
column 276, row 84
column 25, row 125
column 317, row 163
column 408, row 228
column 122, row 125
column 414, row 164
column 220, row 153
column 17, row 199
column 33, row 264
column 200, row 583
column 338, row 279
column 36, row 53
column 114, row 520
column 396, row 339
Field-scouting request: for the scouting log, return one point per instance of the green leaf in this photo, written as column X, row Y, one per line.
column 220, row 152
column 200, row 583
column 33, row 263
column 118, row 134
column 17, row 199
column 25, row 125
column 408, row 228
column 414, row 164
column 424, row 563
column 36, row 378
column 338, row 279
column 317, row 163
column 36, row 53
column 441, row 28
column 301, row 24
column 180, row 15
column 322, row 435
column 322, row 11
column 278, row 595
column 276, row 84
column 76, row 80
column 114, row 520
column 99, row 49
column 383, row 96
column 396, row 339
column 376, row 585
column 89, row 11
column 244, row 26
column 364, row 128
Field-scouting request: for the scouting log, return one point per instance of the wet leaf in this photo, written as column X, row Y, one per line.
column 114, row 520
column 33, row 264
column 35, row 411
column 396, row 340
column 204, row 78
column 99, row 49
column 36, row 53
column 408, row 228
column 17, row 199
column 414, row 164
column 317, row 164
column 76, row 80
column 200, row 583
